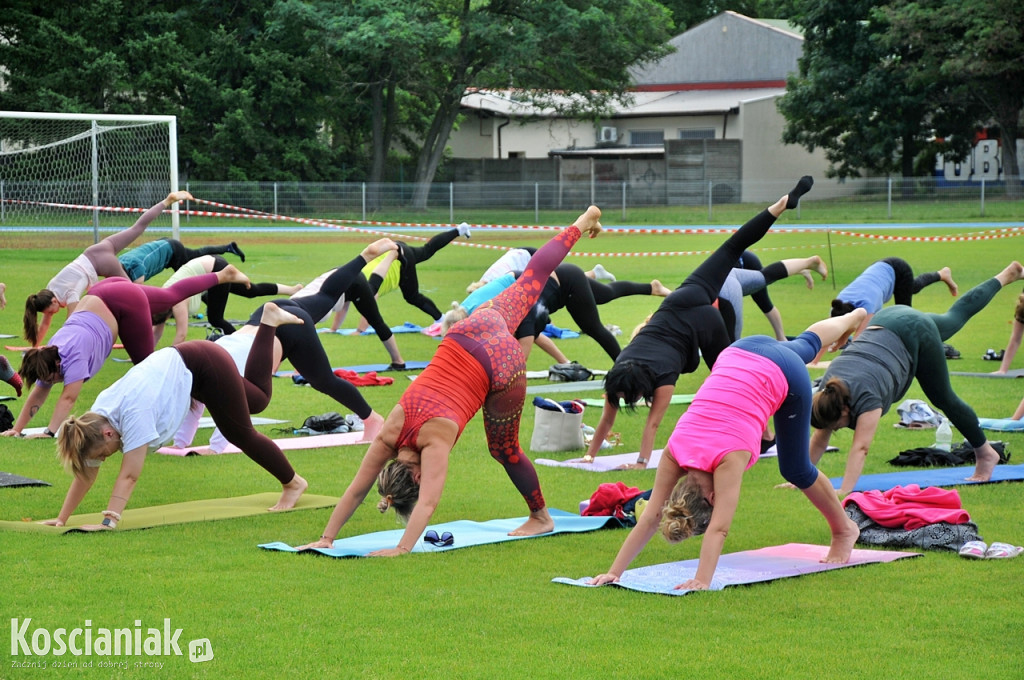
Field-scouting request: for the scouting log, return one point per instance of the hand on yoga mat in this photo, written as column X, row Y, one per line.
column 603, row 579
column 390, row 552
column 693, row 584
column 322, row 543
column 52, row 522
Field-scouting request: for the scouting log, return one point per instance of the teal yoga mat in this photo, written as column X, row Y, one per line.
column 741, row 568
column 1001, row 424
column 949, row 476
column 465, row 533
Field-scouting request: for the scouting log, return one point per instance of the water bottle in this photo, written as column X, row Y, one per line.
column 944, row 436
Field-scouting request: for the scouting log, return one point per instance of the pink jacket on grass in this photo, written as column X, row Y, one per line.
column 910, row 507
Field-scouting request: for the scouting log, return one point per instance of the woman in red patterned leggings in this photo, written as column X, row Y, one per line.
column 479, row 364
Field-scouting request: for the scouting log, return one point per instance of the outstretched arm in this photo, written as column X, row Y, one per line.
column 665, row 480
column 76, row 492
column 36, row 399
column 728, row 477
column 434, row 464
column 604, row 427
column 65, row 404
column 863, row 435
column 1012, row 345
column 131, row 468
column 376, row 457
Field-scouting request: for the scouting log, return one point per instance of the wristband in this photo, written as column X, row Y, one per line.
column 112, row 515
column 47, row 432
column 109, row 522
column 641, row 461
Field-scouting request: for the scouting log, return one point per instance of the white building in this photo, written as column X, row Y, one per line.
column 716, row 94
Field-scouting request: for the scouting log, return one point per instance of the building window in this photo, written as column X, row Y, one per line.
column 646, row 137
column 697, row 133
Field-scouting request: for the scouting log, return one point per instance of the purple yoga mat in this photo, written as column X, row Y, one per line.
column 742, row 568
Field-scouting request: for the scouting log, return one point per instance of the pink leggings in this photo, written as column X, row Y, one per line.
column 133, row 305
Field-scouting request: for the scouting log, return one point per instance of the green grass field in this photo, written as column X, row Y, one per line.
column 491, row 611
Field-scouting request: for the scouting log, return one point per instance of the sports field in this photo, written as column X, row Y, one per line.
column 491, row 611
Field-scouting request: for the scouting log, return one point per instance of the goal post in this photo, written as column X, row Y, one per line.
column 84, row 159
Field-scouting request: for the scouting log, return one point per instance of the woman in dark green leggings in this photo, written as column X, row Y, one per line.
column 876, row 370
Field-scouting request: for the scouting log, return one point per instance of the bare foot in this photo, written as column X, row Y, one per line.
column 275, row 316
column 231, row 274
column 947, row 278
column 785, row 485
column 806, row 273
column 377, row 248
column 1013, row 272
column 986, row 460
column 842, row 543
column 590, row 221
column 539, row 522
column 372, row 427
column 659, row 289
column 290, row 493
column 288, row 290
column 818, row 265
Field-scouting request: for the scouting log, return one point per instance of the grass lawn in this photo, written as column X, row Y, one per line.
column 491, row 611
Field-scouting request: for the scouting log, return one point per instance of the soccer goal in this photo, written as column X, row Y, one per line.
column 49, row 161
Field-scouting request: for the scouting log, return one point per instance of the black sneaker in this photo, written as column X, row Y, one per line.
column 951, row 352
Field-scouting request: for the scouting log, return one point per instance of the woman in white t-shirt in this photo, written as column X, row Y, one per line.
column 141, row 412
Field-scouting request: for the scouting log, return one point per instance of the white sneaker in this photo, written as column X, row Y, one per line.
column 463, row 229
column 602, row 274
column 355, row 423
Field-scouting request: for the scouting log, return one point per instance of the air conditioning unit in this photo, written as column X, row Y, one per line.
column 609, row 134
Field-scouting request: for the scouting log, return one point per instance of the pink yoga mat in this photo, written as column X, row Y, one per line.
column 316, row 441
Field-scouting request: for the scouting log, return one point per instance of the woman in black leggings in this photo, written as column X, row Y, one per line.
column 301, row 345
column 571, row 288
column 408, row 258
column 684, row 329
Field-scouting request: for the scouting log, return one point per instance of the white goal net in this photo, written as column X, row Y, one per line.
column 50, row 162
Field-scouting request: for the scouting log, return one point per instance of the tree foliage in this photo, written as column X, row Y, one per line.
column 848, row 97
column 971, row 51
column 315, row 89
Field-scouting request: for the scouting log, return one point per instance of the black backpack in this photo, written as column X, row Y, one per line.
column 6, row 418
column 325, row 422
column 570, row 372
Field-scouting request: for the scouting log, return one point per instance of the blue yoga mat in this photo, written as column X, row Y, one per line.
column 553, row 331
column 465, row 533
column 407, row 327
column 365, row 368
column 741, row 568
column 1001, row 424
column 946, row 476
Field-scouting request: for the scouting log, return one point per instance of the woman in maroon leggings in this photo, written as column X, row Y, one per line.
column 141, row 411
column 114, row 307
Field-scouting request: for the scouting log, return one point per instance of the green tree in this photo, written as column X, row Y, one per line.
column 576, row 49
column 246, row 80
column 972, row 49
column 850, row 97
